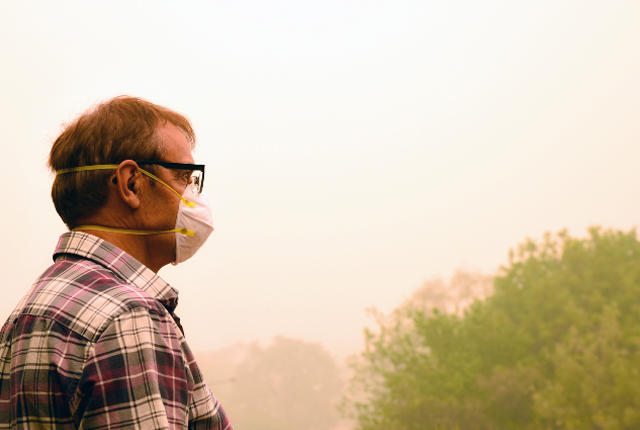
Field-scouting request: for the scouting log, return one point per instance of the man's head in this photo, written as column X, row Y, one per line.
column 123, row 128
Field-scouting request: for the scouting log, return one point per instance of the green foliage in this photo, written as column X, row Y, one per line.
column 556, row 346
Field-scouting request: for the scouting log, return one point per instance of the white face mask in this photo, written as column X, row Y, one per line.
column 197, row 219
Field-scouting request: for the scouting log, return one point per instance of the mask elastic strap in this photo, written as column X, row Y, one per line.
column 183, row 231
column 82, row 168
column 185, row 201
column 115, row 166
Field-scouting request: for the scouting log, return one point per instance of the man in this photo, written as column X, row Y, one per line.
column 95, row 343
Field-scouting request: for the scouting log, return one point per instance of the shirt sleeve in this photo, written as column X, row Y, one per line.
column 136, row 377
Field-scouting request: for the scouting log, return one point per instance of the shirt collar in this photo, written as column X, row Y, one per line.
column 123, row 265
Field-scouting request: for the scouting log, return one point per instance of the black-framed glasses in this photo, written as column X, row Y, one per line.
column 197, row 172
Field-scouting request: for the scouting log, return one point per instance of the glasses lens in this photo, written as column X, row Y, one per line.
column 196, row 181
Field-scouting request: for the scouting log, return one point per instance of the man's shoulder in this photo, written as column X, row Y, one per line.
column 83, row 296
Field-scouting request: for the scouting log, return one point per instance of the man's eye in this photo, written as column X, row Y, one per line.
column 183, row 176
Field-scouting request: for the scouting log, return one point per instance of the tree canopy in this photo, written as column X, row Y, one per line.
column 556, row 346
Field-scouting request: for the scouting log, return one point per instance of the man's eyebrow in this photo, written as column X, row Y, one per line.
column 180, row 172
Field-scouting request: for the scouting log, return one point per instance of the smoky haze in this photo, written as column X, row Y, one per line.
column 353, row 149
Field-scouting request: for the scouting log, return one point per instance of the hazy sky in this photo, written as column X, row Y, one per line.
column 354, row 149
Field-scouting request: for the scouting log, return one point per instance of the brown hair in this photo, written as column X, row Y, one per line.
column 123, row 128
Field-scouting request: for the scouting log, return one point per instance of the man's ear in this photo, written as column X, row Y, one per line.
column 127, row 181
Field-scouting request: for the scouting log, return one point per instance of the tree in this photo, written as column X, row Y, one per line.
column 288, row 385
column 410, row 373
column 555, row 346
column 451, row 297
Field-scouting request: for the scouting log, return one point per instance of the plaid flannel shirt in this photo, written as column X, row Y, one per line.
column 93, row 346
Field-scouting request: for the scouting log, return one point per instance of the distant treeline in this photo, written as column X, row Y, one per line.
column 288, row 385
column 556, row 345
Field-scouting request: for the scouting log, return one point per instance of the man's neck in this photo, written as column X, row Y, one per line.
column 145, row 249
